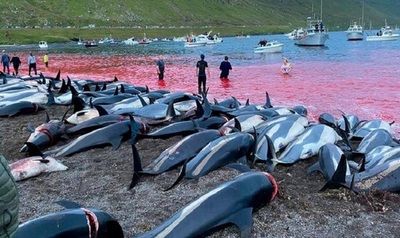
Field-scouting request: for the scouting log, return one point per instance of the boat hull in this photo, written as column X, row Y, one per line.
column 194, row 44
column 317, row 39
column 353, row 36
column 269, row 49
column 383, row 38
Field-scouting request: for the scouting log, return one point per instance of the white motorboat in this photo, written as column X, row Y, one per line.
column 355, row 32
column 270, row 47
column 292, row 34
column 43, row 45
column 315, row 35
column 106, row 41
column 130, row 41
column 384, row 34
column 194, row 43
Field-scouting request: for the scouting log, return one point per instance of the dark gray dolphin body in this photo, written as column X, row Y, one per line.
column 187, row 127
column 47, row 134
column 232, row 202
column 76, row 222
column 181, row 151
column 308, row 143
column 112, row 134
column 19, row 108
column 218, row 153
column 375, row 138
column 329, row 156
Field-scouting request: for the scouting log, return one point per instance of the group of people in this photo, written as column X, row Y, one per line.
column 16, row 62
column 203, row 71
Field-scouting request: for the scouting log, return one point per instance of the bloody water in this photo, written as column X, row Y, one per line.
column 361, row 78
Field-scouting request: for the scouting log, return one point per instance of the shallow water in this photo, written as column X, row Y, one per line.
column 359, row 78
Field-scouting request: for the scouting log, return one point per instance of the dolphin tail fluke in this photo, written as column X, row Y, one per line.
column 339, row 177
column 180, row 177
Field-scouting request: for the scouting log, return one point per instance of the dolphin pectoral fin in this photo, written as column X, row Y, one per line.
column 180, row 177
column 33, row 150
column 313, row 168
column 68, row 204
column 239, row 167
column 243, row 219
column 116, row 143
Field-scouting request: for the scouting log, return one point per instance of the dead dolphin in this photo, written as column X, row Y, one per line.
column 35, row 164
column 232, row 202
column 75, row 221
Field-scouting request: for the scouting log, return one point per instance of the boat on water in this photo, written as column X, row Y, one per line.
column 384, row 34
column 292, row 34
column 315, row 34
column 91, row 44
column 131, row 41
column 107, row 41
column 270, row 47
column 43, row 45
column 355, row 32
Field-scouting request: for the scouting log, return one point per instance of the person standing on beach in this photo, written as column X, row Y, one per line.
column 46, row 61
column 16, row 63
column 32, row 63
column 5, row 59
column 160, row 68
column 201, row 68
column 225, row 66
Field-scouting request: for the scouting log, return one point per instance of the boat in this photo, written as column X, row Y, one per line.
column 270, row 47
column 91, row 44
column 384, row 34
column 144, row 40
column 292, row 34
column 315, row 34
column 194, row 43
column 355, row 32
column 107, row 41
column 43, row 45
column 131, row 41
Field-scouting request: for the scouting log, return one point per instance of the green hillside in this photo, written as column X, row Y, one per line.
column 257, row 16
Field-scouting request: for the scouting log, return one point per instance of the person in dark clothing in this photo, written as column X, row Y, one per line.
column 32, row 63
column 225, row 66
column 160, row 68
column 5, row 59
column 201, row 68
column 16, row 63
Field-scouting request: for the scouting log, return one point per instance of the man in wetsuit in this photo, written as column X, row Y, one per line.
column 201, row 68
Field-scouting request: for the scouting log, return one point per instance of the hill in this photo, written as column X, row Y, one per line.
column 268, row 16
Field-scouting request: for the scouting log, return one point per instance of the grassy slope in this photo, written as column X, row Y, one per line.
column 225, row 16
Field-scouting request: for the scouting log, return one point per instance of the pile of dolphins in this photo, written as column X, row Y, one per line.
column 359, row 155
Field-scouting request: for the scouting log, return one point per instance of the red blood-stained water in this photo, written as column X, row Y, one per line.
column 366, row 88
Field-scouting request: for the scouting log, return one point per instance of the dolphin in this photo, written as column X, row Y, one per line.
column 19, row 108
column 375, row 138
column 46, row 134
column 365, row 127
column 76, row 222
column 112, row 134
column 308, row 143
column 35, row 164
column 216, row 154
column 232, row 202
column 181, row 151
column 329, row 156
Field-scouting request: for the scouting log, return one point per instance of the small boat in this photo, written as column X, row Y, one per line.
column 43, row 45
column 131, row 41
column 315, row 35
column 355, row 32
column 384, row 34
column 144, row 40
column 270, row 47
column 91, row 44
column 107, row 41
